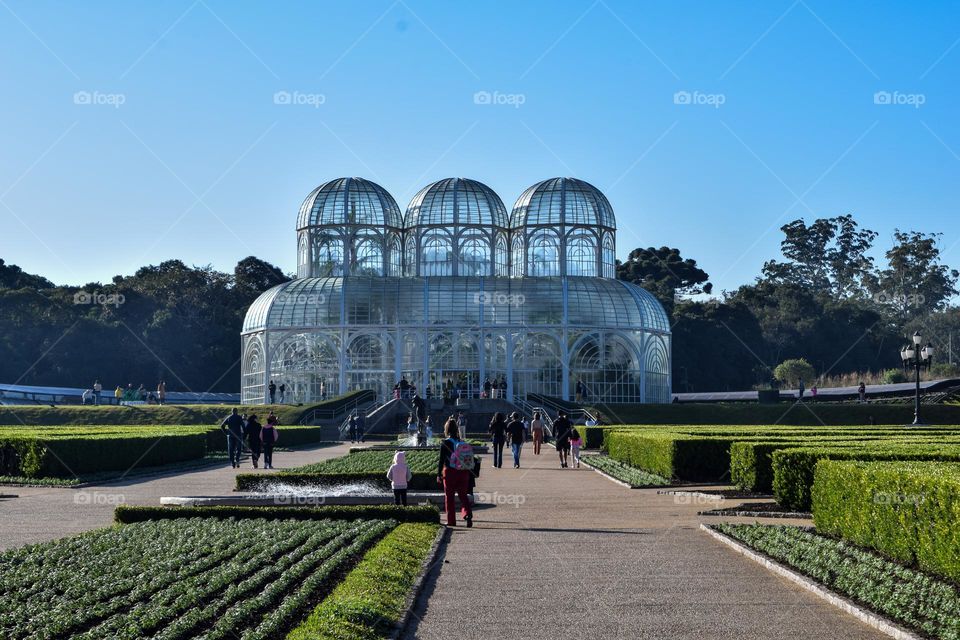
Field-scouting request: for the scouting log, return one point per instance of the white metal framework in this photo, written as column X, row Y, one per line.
column 455, row 294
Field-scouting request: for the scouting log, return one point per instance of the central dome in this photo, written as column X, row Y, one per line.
column 457, row 201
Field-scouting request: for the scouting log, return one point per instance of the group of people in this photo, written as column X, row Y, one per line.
column 246, row 431
column 273, row 388
column 516, row 430
column 357, row 426
column 94, row 395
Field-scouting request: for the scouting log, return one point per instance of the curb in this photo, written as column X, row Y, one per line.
column 866, row 616
column 758, row 514
column 401, row 626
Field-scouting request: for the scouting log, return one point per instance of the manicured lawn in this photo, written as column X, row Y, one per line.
column 636, row 478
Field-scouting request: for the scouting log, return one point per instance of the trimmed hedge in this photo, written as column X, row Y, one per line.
column 793, row 469
column 908, row 511
column 61, row 456
column 782, row 414
column 127, row 514
column 371, row 600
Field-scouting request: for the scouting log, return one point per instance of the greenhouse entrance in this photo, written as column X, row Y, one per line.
column 447, row 383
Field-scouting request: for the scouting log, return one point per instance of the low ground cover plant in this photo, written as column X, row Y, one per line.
column 908, row 596
column 632, row 476
column 180, row 578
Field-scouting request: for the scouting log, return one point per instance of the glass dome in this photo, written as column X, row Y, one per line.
column 457, row 226
column 349, row 201
column 563, row 201
column 349, row 226
column 563, row 227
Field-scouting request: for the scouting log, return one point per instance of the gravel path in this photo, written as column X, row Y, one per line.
column 569, row 554
column 39, row 514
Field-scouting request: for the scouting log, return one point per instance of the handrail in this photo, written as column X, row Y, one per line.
column 325, row 413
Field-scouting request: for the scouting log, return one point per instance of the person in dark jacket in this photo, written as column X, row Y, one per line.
column 498, row 434
column 252, row 432
column 269, row 436
column 518, row 434
column 233, row 427
column 272, row 387
column 455, row 482
column 561, row 432
column 353, row 427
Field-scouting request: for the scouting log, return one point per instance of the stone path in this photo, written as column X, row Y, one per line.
column 582, row 557
column 565, row 554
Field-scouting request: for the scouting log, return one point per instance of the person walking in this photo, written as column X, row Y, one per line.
column 579, row 390
column 813, row 393
column 269, row 435
column 86, row 397
column 517, row 437
column 561, row 432
column 487, row 387
column 800, row 391
column 118, row 394
column 97, row 391
column 399, row 475
column 454, row 468
column 462, row 425
column 272, row 388
column 862, row 392
column 503, row 388
column 498, row 434
column 283, row 391
column 232, row 426
column 352, row 425
column 575, row 444
column 361, row 426
column 162, row 392
column 252, row 432
column 536, row 431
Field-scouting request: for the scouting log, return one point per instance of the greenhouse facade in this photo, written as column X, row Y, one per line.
column 455, row 293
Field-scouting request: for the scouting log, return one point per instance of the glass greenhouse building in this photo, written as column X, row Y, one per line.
column 454, row 292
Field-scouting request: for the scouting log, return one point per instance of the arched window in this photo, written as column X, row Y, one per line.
column 303, row 256
column 474, row 256
column 411, row 257
column 544, row 254
column 396, row 257
column 609, row 257
column 327, row 256
column 500, row 257
column 436, row 257
column 581, row 256
column 368, row 258
column 518, row 258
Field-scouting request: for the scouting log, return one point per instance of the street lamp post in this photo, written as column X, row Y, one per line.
column 917, row 356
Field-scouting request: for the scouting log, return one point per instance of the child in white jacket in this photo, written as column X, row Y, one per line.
column 399, row 475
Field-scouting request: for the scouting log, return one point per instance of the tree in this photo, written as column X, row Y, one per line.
column 13, row 277
column 794, row 370
column 664, row 273
column 915, row 280
column 252, row 276
column 828, row 257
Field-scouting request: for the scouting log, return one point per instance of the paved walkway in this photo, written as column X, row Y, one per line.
column 39, row 514
column 582, row 557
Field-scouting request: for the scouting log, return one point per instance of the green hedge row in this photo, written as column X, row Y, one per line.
column 68, row 456
column 908, row 511
column 781, row 414
column 793, row 469
column 127, row 514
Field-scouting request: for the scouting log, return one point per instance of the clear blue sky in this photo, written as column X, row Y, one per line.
column 200, row 163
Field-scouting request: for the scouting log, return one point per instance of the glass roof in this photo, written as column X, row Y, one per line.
column 349, row 201
column 457, row 201
column 457, row 302
column 560, row 201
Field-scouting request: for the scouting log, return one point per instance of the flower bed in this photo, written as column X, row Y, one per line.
column 636, row 478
